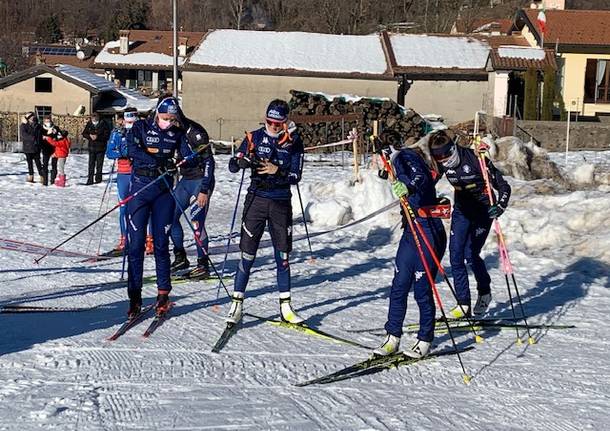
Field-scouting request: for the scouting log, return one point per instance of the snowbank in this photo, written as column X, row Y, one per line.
column 337, row 203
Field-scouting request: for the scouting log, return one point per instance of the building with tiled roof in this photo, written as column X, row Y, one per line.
column 143, row 59
column 582, row 41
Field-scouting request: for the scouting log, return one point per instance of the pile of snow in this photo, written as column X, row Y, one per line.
column 584, row 174
column 338, row 203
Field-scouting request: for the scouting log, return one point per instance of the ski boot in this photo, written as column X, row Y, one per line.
column 202, row 270
column 237, row 308
column 419, row 350
column 482, row 304
column 150, row 245
column 163, row 303
column 121, row 245
column 460, row 311
column 180, row 262
column 135, row 306
column 287, row 313
column 389, row 346
column 60, row 181
column 29, row 179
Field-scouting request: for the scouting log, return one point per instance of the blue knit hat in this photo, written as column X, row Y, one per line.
column 277, row 111
column 169, row 105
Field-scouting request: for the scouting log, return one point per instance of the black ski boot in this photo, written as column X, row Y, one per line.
column 180, row 262
column 135, row 306
column 202, row 271
column 163, row 304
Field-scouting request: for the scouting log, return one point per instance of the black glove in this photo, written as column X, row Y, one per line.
column 169, row 166
column 495, row 211
column 246, row 162
column 383, row 174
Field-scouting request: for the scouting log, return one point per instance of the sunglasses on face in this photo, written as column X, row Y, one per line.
column 275, row 123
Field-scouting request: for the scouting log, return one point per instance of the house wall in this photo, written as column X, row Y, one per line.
column 574, row 84
column 455, row 101
column 240, row 100
column 497, row 93
column 64, row 99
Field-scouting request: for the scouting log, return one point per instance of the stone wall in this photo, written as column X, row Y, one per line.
column 552, row 134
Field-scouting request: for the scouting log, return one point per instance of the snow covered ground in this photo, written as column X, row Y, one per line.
column 58, row 372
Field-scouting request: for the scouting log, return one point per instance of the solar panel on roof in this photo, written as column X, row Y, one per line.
column 52, row 50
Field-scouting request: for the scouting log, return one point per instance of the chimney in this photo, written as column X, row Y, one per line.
column 182, row 46
column 124, row 42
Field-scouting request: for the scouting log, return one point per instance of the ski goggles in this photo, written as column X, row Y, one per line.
column 445, row 152
column 130, row 116
column 275, row 123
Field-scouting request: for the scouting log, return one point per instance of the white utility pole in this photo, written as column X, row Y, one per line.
column 175, row 77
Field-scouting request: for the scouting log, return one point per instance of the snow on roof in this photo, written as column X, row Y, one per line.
column 527, row 53
column 312, row 52
column 132, row 97
column 443, row 52
column 143, row 58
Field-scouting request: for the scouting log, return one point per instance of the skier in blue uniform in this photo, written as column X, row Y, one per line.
column 151, row 147
column 416, row 182
column 274, row 156
column 471, row 219
column 197, row 183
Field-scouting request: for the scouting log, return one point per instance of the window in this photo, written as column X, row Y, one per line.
column 43, row 85
column 597, row 81
column 41, row 111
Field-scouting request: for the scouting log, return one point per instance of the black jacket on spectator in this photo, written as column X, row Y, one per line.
column 31, row 136
column 102, row 132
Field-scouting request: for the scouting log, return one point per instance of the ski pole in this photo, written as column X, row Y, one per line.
column 121, row 202
column 109, row 188
column 224, row 262
column 311, row 257
column 506, row 264
column 99, row 210
column 406, row 207
column 197, row 238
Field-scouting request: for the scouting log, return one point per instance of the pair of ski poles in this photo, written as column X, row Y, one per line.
column 417, row 231
column 505, row 262
column 118, row 205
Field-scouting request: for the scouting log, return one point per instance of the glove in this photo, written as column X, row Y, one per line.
column 483, row 145
column 383, row 174
column 244, row 162
column 170, row 167
column 400, row 189
column 495, row 211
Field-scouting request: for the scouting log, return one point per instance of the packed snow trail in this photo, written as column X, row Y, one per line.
column 57, row 371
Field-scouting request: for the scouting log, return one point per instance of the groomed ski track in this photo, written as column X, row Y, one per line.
column 58, row 372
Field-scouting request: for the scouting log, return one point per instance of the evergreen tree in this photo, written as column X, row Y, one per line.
column 548, row 94
column 49, row 30
column 530, row 107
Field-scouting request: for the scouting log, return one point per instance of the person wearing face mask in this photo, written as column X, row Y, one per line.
column 96, row 132
column 273, row 155
column 47, row 150
column 31, row 136
column 471, row 219
column 151, row 147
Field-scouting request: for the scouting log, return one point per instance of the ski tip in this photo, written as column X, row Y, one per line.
column 467, row 379
column 479, row 339
column 216, row 308
column 531, row 341
column 519, row 342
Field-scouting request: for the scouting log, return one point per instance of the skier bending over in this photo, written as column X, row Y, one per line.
column 416, row 182
column 151, row 147
column 197, row 183
column 471, row 219
column 274, row 156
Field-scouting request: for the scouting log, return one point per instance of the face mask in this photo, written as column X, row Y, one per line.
column 47, row 125
column 128, row 125
column 94, row 122
column 164, row 124
column 453, row 160
column 272, row 134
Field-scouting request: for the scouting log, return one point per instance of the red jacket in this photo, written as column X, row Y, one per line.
column 62, row 146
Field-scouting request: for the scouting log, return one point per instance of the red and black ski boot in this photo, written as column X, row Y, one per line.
column 163, row 303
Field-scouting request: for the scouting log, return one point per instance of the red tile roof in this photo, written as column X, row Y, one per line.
column 484, row 25
column 573, row 27
column 157, row 41
column 515, row 63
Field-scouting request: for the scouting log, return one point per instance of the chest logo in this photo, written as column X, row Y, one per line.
column 467, row 169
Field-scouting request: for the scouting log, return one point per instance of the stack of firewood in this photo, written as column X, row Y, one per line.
column 319, row 117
